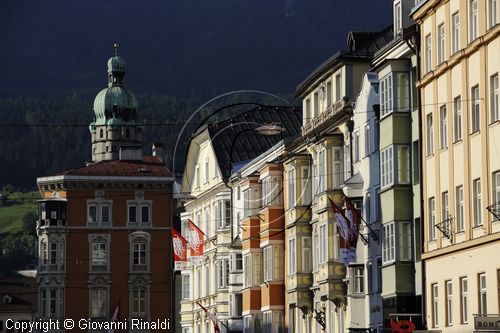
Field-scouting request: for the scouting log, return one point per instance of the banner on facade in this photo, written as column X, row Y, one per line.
column 212, row 317
column 195, row 243
column 343, row 229
column 353, row 217
column 179, row 245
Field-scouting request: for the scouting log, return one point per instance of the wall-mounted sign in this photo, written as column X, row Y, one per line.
column 490, row 324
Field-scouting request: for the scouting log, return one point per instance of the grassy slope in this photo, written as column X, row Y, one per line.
column 11, row 214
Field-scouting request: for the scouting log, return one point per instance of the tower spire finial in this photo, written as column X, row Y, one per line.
column 116, row 46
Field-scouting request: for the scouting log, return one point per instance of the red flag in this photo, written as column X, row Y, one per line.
column 343, row 229
column 353, row 217
column 211, row 317
column 116, row 314
column 195, row 241
column 179, row 245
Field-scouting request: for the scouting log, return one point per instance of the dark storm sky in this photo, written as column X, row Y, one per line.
column 178, row 47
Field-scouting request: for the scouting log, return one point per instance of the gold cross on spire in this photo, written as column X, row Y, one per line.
column 116, row 46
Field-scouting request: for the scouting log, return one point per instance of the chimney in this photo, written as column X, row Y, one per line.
column 158, row 150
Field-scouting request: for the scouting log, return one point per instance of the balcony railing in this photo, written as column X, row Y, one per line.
column 342, row 104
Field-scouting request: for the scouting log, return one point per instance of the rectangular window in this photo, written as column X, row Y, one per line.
column 139, row 256
column 323, row 244
column 98, row 300
column 475, row 112
column 388, row 245
column 292, row 257
column 368, row 149
column 266, row 191
column 138, row 303
column 397, row 18
column 247, row 211
column 207, row 170
column 247, row 270
column 483, row 309
column 455, row 32
column 386, row 103
column 444, row 126
column 186, row 286
column 306, row 255
column 329, row 93
column 359, row 277
column 449, row 303
column 441, row 36
column 132, row 214
column 386, row 166
column 356, row 146
column 53, row 254
column 197, row 175
column 432, row 219
column 496, row 188
column 473, row 20
column 273, row 263
column 105, row 213
column 435, row 305
column 476, row 187
column 493, row 12
column 403, row 164
column 223, row 273
column 430, row 135
column 460, row 208
column 494, row 92
column 99, row 256
column 291, row 189
column 316, row 104
column 338, row 87
column 322, row 171
column 445, row 211
column 463, row 300
column 92, row 213
column 404, row 241
column 402, row 94
column 457, row 108
column 428, row 53
column 315, row 255
column 307, row 116
column 145, row 214
column 43, row 301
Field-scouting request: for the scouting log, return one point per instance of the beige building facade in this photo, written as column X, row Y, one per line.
column 459, row 66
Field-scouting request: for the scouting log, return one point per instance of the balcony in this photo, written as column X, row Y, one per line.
column 321, row 202
column 342, row 104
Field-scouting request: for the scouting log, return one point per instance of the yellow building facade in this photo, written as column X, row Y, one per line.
column 459, row 66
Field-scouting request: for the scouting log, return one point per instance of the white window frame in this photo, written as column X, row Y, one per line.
column 457, row 110
column 473, row 20
column 435, row 304
column 430, row 134
column 323, row 243
column 428, row 53
column 441, row 43
column 291, row 188
column 322, row 171
column 496, row 188
column 444, row 126
column 475, row 110
column 482, row 294
column 386, row 95
column 358, row 279
column 455, row 31
column 432, row 218
column 404, row 241
column 367, row 140
column 292, row 256
column 459, row 199
column 207, row 170
column 492, row 13
column 306, row 254
column 186, row 286
column 398, row 26
column 449, row 303
column 387, row 167
column 389, row 243
column 356, row 145
column 477, row 202
column 464, row 300
column 494, row 98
